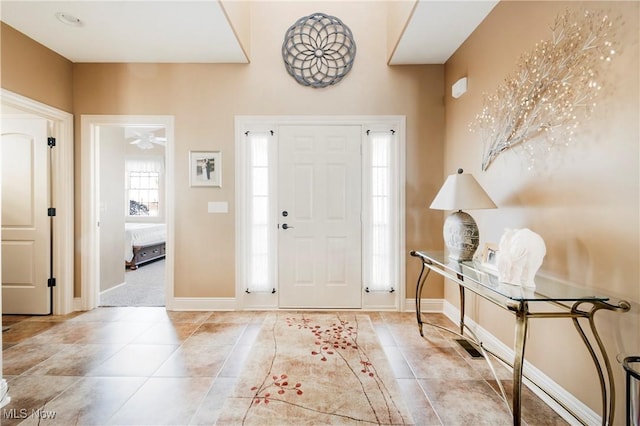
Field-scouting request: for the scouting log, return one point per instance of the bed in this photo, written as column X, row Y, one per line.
column 143, row 242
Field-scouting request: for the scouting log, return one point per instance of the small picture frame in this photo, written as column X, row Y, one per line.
column 490, row 257
column 205, row 168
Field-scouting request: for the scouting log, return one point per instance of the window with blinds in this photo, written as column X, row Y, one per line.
column 142, row 183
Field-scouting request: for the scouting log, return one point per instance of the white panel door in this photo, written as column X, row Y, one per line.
column 25, row 223
column 319, row 209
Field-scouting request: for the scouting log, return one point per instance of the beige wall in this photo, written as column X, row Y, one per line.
column 32, row 70
column 584, row 200
column 111, row 149
column 205, row 98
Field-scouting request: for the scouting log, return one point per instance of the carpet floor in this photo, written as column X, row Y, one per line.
column 316, row 368
column 143, row 287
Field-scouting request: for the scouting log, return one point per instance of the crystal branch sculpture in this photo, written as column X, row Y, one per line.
column 551, row 84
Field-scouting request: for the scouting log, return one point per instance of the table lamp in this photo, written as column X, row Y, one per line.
column 460, row 232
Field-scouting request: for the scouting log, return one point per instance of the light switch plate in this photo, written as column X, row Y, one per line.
column 218, row 207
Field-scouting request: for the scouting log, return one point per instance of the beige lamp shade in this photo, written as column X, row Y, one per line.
column 462, row 192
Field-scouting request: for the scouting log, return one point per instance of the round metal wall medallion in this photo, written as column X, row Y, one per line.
column 318, row 50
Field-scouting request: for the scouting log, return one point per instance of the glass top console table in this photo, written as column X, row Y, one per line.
column 573, row 303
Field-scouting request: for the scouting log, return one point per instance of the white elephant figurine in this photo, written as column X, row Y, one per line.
column 520, row 255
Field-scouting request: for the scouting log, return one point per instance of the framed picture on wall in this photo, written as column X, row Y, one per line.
column 205, row 168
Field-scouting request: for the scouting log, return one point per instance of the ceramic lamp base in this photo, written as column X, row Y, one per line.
column 461, row 236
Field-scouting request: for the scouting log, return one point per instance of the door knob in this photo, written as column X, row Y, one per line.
column 285, row 226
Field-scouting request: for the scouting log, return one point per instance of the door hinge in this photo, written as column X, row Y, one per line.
column 51, row 142
column 51, row 282
column 51, row 211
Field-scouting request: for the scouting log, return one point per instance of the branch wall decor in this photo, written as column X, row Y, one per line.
column 318, row 50
column 538, row 108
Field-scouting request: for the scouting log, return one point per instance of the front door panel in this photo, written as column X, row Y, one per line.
column 319, row 200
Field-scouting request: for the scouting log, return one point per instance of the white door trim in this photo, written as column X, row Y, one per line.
column 90, row 250
column 242, row 123
column 61, row 127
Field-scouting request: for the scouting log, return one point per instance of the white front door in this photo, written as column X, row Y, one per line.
column 319, row 217
column 25, row 222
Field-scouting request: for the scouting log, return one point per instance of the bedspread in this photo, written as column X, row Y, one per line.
column 142, row 234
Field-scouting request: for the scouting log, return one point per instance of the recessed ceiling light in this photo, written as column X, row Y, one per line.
column 68, row 19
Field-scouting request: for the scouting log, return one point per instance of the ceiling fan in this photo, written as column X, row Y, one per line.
column 146, row 140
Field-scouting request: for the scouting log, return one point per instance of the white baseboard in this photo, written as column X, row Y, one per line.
column 182, row 303
column 586, row 414
column 112, row 288
column 231, row 304
column 77, row 304
column 426, row 305
column 202, row 304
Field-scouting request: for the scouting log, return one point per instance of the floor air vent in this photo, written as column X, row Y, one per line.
column 469, row 348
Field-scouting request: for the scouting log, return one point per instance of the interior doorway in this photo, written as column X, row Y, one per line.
column 127, row 210
column 131, row 193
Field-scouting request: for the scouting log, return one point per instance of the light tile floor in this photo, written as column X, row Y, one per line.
column 135, row 366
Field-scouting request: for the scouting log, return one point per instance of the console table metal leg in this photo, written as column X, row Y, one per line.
column 603, row 387
column 607, row 387
column 419, row 285
column 518, row 362
column 461, row 306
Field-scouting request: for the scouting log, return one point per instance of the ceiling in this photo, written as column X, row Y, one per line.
column 199, row 32
column 129, row 31
column 437, row 28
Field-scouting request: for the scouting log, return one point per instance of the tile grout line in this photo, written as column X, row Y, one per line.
column 217, row 376
column 413, row 372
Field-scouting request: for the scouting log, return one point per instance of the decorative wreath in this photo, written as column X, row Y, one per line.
column 318, row 50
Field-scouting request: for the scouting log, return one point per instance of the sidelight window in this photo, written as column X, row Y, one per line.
column 380, row 212
column 260, row 255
